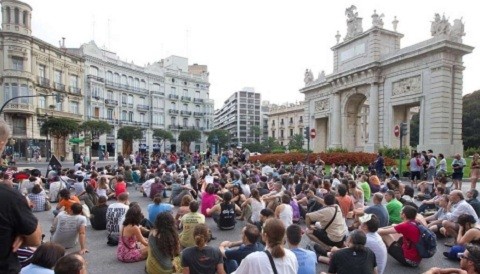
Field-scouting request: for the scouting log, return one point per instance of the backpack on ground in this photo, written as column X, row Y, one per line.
column 427, row 244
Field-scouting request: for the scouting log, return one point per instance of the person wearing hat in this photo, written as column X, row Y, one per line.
column 356, row 258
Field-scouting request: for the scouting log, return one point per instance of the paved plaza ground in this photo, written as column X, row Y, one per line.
column 102, row 258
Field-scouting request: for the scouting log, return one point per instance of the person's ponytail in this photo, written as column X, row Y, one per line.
column 200, row 234
column 275, row 232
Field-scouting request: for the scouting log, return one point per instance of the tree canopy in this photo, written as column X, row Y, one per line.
column 222, row 135
column 97, row 128
column 187, row 137
column 471, row 120
column 161, row 135
column 296, row 142
column 59, row 127
column 129, row 133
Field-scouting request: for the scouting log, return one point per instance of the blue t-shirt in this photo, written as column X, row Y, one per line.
column 307, row 260
column 380, row 211
column 154, row 210
column 243, row 251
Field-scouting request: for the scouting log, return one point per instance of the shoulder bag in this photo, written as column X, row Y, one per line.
column 331, row 221
column 272, row 263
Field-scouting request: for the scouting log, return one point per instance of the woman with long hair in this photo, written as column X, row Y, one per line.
column 283, row 259
column 474, row 170
column 256, row 204
column 202, row 258
column 127, row 250
column 103, row 189
column 163, row 246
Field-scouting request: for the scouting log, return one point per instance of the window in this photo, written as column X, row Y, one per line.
column 173, row 105
column 197, row 123
column 197, row 108
column 141, row 101
column 109, row 94
column 124, row 80
column 74, row 81
column 130, row 81
column 142, row 117
column 157, row 119
column 301, row 119
column 185, row 107
column 197, row 94
column 156, row 102
column 124, row 115
column 25, row 18
column 17, row 63
column 17, row 16
column 174, row 121
column 291, row 132
column 273, row 133
column 156, row 87
column 185, row 122
column 185, row 92
column 130, row 116
column 9, row 19
column 42, row 101
column 93, row 71
column 41, row 71
column 109, row 76
column 124, row 99
column 143, row 85
column 57, row 76
column 74, row 107
column 58, row 106
column 19, row 125
column 116, row 78
column 281, row 133
column 173, row 90
column 97, row 91
column 130, row 100
column 136, row 83
column 109, row 113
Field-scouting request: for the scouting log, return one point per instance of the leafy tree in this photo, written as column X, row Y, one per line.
column 97, row 128
column 127, row 134
column 162, row 135
column 471, row 120
column 296, row 143
column 270, row 144
column 59, row 128
column 222, row 135
column 255, row 131
column 254, row 147
column 187, row 137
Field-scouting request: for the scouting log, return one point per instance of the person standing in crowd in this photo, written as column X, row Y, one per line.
column 474, row 170
column 307, row 259
column 202, row 258
column 276, row 256
column 457, row 165
column 44, row 259
column 380, row 165
column 67, row 227
column 415, row 165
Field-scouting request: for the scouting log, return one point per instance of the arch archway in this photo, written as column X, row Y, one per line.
column 355, row 118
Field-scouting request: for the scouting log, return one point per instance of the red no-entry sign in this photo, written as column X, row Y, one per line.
column 396, row 131
column 313, row 133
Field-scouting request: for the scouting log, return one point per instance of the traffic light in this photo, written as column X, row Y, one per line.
column 403, row 129
column 306, row 133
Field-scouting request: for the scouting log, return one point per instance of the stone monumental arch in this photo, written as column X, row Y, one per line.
column 376, row 85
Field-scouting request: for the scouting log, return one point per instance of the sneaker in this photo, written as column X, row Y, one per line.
column 450, row 243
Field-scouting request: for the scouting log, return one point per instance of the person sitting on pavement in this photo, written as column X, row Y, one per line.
column 469, row 263
column 202, row 258
column 189, row 221
column 432, row 203
column 403, row 250
column 344, row 200
column 224, row 213
column 183, row 209
column 284, row 211
column 66, row 201
column 89, row 197
column 472, row 195
column 275, row 255
column 370, row 224
column 307, row 260
column 458, row 206
column 271, row 199
column 394, row 207
column 256, row 204
column 127, row 249
column 435, row 221
column 328, row 224
column 115, row 213
column 163, row 246
column 44, row 259
column 68, row 227
column 178, row 191
column 248, row 244
column 79, row 186
column 120, row 186
column 374, row 182
column 54, row 188
column 209, row 198
column 147, row 185
column 356, row 258
column 72, row 263
column 98, row 214
column 157, row 207
column 469, row 232
column 38, row 197
column 378, row 209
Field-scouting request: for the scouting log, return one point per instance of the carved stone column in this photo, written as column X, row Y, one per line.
column 336, row 140
column 372, row 145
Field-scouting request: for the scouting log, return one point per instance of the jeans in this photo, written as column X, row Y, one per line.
column 230, row 265
column 423, row 207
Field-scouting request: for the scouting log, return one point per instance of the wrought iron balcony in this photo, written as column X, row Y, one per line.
column 111, row 102
column 143, row 107
column 96, row 78
column 59, row 86
column 198, row 113
column 186, row 98
column 74, row 90
column 186, row 112
column 197, row 100
column 173, row 111
column 173, row 96
column 43, row 82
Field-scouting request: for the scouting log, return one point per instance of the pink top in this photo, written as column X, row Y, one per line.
column 208, row 201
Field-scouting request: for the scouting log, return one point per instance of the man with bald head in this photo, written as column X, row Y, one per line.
column 458, row 206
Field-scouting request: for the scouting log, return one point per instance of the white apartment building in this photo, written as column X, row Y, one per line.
column 32, row 67
column 285, row 121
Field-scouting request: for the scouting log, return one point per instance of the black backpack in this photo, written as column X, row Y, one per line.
column 427, row 244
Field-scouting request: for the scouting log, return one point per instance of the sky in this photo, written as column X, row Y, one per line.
column 264, row 44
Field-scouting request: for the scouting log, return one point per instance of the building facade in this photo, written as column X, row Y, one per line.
column 32, row 67
column 241, row 117
column 285, row 121
column 375, row 84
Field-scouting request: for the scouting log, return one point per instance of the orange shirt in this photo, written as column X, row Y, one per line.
column 68, row 203
column 345, row 203
column 374, row 180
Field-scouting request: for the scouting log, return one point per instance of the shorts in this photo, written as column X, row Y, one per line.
column 457, row 176
column 322, row 235
column 415, row 175
column 395, row 250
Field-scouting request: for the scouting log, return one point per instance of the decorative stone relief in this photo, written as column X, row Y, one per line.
column 354, row 23
column 377, row 20
column 322, row 105
column 442, row 27
column 407, row 85
column 308, row 77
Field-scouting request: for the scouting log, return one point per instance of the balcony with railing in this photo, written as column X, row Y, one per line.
column 186, row 98
column 96, row 78
column 43, row 82
column 74, row 90
column 143, row 108
column 198, row 114
column 59, row 86
column 197, row 100
column 173, row 96
column 111, row 84
column 158, row 92
column 174, row 127
column 173, row 111
column 111, row 102
column 185, row 112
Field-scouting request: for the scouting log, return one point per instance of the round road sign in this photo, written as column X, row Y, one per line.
column 396, row 131
column 313, row 133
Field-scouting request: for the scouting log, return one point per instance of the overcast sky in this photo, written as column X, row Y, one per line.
column 264, row 44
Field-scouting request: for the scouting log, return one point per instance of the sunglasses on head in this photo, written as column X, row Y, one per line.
column 462, row 256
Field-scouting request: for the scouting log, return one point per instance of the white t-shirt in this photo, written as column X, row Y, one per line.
column 286, row 216
column 147, row 186
column 258, row 263
column 66, row 232
column 375, row 243
column 442, row 165
column 335, row 183
column 256, row 208
column 55, row 187
column 115, row 213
